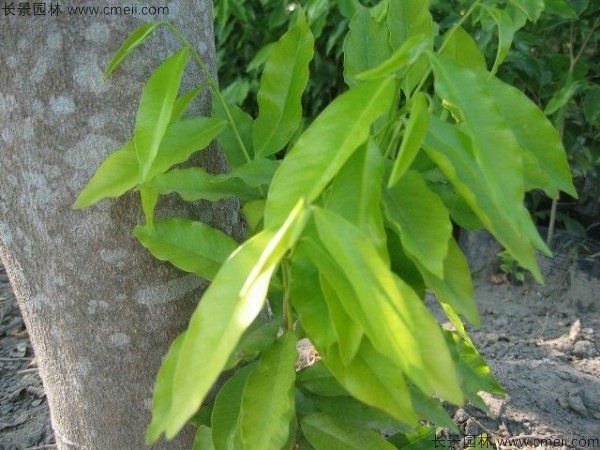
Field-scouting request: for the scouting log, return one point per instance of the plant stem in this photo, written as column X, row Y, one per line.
column 573, row 62
column 213, row 84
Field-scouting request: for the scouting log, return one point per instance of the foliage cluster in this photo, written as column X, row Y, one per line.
column 553, row 59
column 349, row 224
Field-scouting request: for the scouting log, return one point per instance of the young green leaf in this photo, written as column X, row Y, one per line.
column 455, row 289
column 203, row 440
column 356, row 193
column 317, row 379
column 505, row 217
column 226, row 412
column 228, row 307
column 118, row 174
column 495, row 151
column 532, row 8
column 349, row 410
column 182, row 139
column 413, row 137
column 506, row 32
column 402, row 58
column 268, row 401
column 545, row 159
column 424, row 231
column 163, row 390
column 405, row 19
column 374, row 380
column 236, row 138
column 258, row 337
column 349, row 332
column 326, row 145
column 281, row 86
column 563, row 96
column 392, row 315
column 195, row 183
column 308, row 300
column 183, row 102
column 462, row 48
column 326, row 433
column 135, row 39
column 366, row 46
column 149, row 197
column 191, row 246
column 156, row 108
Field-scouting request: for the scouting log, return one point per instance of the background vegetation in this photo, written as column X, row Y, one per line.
column 555, row 61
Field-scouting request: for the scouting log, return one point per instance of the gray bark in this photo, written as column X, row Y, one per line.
column 99, row 309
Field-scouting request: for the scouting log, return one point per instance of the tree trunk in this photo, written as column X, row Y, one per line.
column 99, row 309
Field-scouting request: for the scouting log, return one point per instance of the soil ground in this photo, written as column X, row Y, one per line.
column 542, row 343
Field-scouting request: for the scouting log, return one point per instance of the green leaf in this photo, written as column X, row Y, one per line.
column 280, row 93
column 408, row 18
column 326, row 145
column 591, row 105
column 254, row 212
column 184, row 101
column 228, row 307
column 421, row 220
column 149, row 197
column 495, row 153
column 317, row 379
column 545, row 160
column 268, row 399
column 532, row 8
column 195, row 183
column 190, row 246
column 392, row 315
column 356, row 193
column 413, row 138
column 563, row 96
column 226, row 412
column 163, row 390
column 348, row 410
column 236, row 138
column 259, row 336
column 366, row 46
column 455, row 288
column 182, row 139
column 116, row 175
column 308, row 301
column 135, row 39
column 326, row 433
column 405, row 19
column 506, row 33
column 462, row 48
column 503, row 214
column 402, row 58
column 561, row 8
column 419, row 439
column 476, row 375
column 156, row 108
column 349, row 332
column 203, row 440
column 374, row 380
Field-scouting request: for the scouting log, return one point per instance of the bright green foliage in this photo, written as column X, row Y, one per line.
column 191, row 246
column 283, row 81
column 349, row 224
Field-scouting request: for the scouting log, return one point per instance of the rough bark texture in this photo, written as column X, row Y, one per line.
column 100, row 310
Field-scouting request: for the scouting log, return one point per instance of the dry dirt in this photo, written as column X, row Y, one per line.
column 542, row 343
